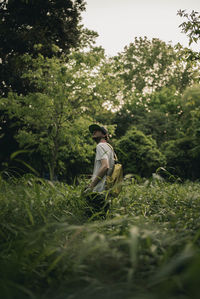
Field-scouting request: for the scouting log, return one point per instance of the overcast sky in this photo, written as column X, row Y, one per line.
column 118, row 22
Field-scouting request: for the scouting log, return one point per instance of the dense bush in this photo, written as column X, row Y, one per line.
column 139, row 153
column 183, row 157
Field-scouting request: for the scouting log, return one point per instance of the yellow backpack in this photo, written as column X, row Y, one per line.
column 114, row 181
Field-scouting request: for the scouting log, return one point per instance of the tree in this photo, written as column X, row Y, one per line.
column 147, row 66
column 48, row 114
column 154, row 76
column 183, row 152
column 47, row 27
column 139, row 153
column 156, row 114
column 191, row 27
column 35, row 26
column 66, row 92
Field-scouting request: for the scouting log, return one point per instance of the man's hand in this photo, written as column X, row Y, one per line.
column 102, row 171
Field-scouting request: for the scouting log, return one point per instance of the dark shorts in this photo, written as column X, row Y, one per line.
column 96, row 204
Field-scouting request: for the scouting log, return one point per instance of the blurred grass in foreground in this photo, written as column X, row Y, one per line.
column 148, row 246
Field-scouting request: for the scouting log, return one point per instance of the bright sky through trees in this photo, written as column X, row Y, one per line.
column 118, row 22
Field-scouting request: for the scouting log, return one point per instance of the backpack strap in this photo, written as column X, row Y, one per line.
column 115, row 156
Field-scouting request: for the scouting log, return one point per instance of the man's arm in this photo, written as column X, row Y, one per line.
column 102, row 171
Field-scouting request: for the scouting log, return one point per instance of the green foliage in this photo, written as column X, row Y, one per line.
column 77, row 153
column 37, row 26
column 147, row 247
column 183, row 152
column 139, row 153
column 148, row 65
column 27, row 23
column 50, row 117
column 191, row 27
column 28, row 28
column 182, row 156
column 55, row 84
column 155, row 114
column 191, row 109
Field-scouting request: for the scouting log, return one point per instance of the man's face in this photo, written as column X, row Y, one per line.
column 97, row 135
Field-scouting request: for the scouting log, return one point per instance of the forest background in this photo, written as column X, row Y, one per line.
column 55, row 82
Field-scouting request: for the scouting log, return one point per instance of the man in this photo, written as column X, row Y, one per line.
column 103, row 166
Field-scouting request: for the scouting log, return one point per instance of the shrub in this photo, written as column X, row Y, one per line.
column 183, row 157
column 139, row 153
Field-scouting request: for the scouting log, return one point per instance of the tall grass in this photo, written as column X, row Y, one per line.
column 148, row 246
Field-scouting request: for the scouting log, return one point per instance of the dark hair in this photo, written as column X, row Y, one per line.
column 107, row 137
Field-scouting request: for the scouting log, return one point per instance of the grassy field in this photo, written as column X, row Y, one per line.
column 146, row 248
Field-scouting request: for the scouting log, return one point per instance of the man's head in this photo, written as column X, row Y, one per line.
column 98, row 133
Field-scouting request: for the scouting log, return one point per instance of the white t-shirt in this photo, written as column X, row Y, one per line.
column 103, row 151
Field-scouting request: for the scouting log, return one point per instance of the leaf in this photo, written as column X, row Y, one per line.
column 13, row 155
